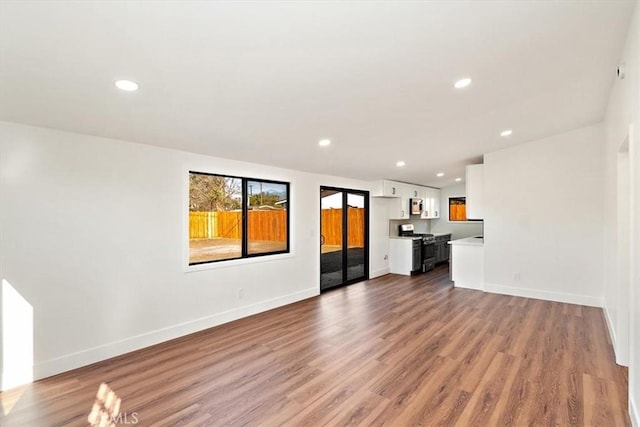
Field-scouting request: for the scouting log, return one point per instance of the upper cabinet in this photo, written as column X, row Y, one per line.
column 392, row 188
column 475, row 191
column 431, row 203
column 414, row 191
column 398, row 196
column 401, row 194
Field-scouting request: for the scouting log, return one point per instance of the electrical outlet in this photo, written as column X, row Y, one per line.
column 240, row 293
column 516, row 276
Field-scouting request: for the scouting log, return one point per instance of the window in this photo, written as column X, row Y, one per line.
column 457, row 209
column 233, row 217
column 267, row 220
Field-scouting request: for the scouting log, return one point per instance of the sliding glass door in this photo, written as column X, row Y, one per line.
column 344, row 239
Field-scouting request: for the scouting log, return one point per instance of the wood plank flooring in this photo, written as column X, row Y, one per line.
column 393, row 351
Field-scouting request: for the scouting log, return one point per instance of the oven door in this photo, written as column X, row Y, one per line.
column 428, row 256
column 428, row 250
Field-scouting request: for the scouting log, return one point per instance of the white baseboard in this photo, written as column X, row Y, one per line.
column 378, row 273
column 463, row 285
column 544, row 295
column 633, row 413
column 96, row 354
column 610, row 328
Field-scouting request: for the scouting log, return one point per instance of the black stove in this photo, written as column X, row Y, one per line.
column 426, row 237
column 428, row 258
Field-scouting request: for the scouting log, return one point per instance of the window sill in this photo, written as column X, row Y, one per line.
column 236, row 262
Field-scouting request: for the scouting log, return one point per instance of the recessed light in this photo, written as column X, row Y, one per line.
column 400, row 163
column 126, row 85
column 506, row 132
column 324, row 142
column 462, row 83
column 458, row 179
column 440, row 174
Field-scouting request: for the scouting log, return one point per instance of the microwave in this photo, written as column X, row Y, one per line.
column 415, row 206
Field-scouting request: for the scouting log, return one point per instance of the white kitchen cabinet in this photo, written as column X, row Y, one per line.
column 400, row 195
column 400, row 256
column 398, row 204
column 413, row 191
column 475, row 191
column 426, row 205
column 392, row 188
column 386, row 188
column 467, row 263
column 397, row 208
column 431, row 203
column 435, row 206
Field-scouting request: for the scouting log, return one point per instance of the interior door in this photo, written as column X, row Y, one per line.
column 344, row 239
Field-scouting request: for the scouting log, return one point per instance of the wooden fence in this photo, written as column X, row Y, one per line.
column 458, row 212
column 332, row 227
column 271, row 225
column 263, row 225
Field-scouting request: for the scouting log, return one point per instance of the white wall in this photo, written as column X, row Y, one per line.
column 622, row 302
column 92, row 236
column 379, row 237
column 543, row 218
column 458, row 230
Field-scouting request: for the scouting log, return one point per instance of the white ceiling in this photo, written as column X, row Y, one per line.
column 264, row 81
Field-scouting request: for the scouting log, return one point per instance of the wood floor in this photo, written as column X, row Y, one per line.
column 395, row 351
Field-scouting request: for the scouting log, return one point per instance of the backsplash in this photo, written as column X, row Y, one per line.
column 421, row 225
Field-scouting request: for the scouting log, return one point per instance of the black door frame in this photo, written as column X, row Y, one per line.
column 345, row 237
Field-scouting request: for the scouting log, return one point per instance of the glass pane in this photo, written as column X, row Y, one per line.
column 330, row 239
column 215, row 218
column 267, row 212
column 355, row 236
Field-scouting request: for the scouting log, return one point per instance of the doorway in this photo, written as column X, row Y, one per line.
column 344, row 237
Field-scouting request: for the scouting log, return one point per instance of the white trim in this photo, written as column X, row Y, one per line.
column 236, row 262
column 378, row 273
column 92, row 355
column 462, row 285
column 610, row 328
column 633, row 413
column 544, row 295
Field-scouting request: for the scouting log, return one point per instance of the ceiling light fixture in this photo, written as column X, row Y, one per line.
column 324, row 142
column 458, row 179
column 127, row 85
column 400, row 163
column 506, row 132
column 440, row 174
column 462, row 83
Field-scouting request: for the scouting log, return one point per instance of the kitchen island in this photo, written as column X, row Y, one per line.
column 467, row 262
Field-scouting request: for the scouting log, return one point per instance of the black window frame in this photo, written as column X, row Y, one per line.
column 244, row 244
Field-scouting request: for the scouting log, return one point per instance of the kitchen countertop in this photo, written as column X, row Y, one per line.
column 418, row 237
column 468, row 241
